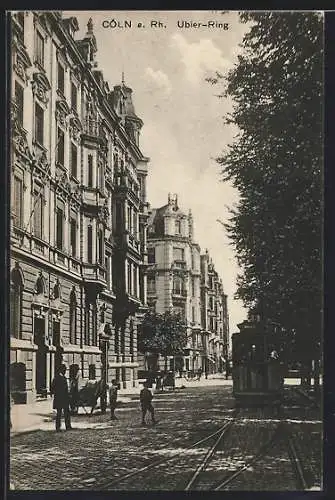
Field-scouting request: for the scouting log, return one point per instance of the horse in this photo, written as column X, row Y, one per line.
column 89, row 394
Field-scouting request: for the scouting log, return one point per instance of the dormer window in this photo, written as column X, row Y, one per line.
column 178, row 226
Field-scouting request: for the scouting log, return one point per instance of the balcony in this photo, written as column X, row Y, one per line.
column 179, row 264
column 92, row 130
column 94, row 274
column 179, row 294
column 132, row 242
column 92, row 197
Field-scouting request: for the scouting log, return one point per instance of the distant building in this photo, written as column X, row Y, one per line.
column 181, row 280
column 174, row 273
column 78, row 211
column 214, row 315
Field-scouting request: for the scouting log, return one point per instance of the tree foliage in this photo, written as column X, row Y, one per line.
column 275, row 162
column 163, row 334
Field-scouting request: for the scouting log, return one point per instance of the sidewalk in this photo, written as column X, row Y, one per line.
column 40, row 415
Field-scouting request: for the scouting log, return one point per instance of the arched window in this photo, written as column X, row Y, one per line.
column 73, row 317
column 16, row 292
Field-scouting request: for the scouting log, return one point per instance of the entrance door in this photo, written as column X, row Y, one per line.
column 56, row 343
column 41, row 356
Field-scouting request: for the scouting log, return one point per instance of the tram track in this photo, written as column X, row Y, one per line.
column 219, row 454
column 156, row 463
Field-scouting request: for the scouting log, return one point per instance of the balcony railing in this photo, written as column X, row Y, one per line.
column 92, row 128
column 94, row 273
column 179, row 264
column 179, row 293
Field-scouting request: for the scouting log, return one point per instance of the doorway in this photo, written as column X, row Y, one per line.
column 57, row 345
column 41, row 357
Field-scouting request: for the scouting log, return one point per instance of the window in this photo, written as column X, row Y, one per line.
column 74, row 160
column 193, row 314
column 135, row 280
column 89, row 243
column 73, row 236
column 108, row 270
column 90, row 171
column 73, row 96
column 151, row 255
column 91, row 372
column 60, row 146
column 38, row 214
column 129, row 277
column 39, row 48
column 178, row 226
column 178, row 285
column 151, row 284
column 73, row 318
column 19, row 102
column 87, row 325
column 61, row 78
column 94, row 325
column 131, row 338
column 59, row 227
column 129, row 211
column 135, row 224
column 18, row 202
column 193, row 287
column 16, row 292
column 178, row 254
column 100, row 246
column 39, row 124
column 101, row 176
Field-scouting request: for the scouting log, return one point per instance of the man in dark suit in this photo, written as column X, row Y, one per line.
column 60, row 390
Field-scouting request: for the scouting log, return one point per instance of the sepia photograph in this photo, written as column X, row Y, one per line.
column 166, row 241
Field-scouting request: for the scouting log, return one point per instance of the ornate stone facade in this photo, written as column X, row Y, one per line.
column 78, row 274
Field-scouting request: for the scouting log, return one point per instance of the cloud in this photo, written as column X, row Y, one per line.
column 199, row 57
column 158, row 80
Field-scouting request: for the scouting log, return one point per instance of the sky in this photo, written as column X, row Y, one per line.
column 183, row 128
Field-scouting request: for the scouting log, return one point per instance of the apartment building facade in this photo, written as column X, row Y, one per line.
column 174, row 276
column 214, row 315
column 79, row 212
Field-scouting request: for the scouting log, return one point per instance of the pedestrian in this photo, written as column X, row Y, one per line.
column 74, row 388
column 159, row 385
column 60, row 391
column 146, row 405
column 199, row 373
column 113, row 398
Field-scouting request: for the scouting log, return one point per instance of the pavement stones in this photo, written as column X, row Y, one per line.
column 99, row 450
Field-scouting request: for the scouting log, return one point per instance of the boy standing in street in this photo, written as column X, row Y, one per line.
column 113, row 398
column 145, row 400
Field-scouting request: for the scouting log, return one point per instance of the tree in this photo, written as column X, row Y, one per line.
column 275, row 163
column 163, row 334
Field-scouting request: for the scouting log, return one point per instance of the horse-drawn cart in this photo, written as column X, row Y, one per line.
column 88, row 395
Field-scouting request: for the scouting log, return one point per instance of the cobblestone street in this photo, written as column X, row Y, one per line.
column 98, row 452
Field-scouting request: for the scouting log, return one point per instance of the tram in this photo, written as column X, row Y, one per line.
column 258, row 370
